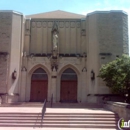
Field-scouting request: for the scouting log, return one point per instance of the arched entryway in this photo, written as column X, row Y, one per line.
column 39, row 85
column 68, row 91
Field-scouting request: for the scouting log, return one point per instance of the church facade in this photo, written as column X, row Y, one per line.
column 58, row 54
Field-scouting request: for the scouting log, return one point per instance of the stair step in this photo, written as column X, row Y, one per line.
column 58, row 122
column 46, row 117
column 80, row 113
column 59, row 125
column 59, row 116
column 57, row 113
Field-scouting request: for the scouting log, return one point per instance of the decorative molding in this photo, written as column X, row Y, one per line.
column 23, row 68
column 84, row 69
column 27, row 24
column 78, row 24
column 61, row 24
column 55, row 27
column 72, row 24
column 105, row 54
column 44, row 24
column 39, row 24
column 50, row 24
column 33, row 24
column 67, row 24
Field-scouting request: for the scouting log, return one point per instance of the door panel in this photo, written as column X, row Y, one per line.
column 68, row 91
column 73, row 91
column 38, row 90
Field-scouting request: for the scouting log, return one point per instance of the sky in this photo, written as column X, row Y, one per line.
column 75, row 6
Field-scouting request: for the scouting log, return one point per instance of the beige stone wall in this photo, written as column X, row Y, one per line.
column 112, row 32
column 113, row 38
column 72, row 36
column 77, row 64
column 5, row 31
column 5, row 37
column 102, row 36
column 107, row 39
column 100, row 33
column 15, row 53
column 3, row 73
column 10, row 52
column 125, row 34
column 92, row 56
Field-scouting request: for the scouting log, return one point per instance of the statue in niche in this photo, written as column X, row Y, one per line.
column 55, row 40
column 54, row 56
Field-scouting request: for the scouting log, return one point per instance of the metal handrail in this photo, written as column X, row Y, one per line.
column 51, row 100
column 43, row 111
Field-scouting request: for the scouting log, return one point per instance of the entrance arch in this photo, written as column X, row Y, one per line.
column 39, row 85
column 68, row 91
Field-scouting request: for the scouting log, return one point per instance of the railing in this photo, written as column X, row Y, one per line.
column 51, row 100
column 43, row 111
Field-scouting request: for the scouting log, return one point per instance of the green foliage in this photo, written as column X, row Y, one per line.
column 116, row 74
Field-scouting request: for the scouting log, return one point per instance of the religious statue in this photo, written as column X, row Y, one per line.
column 55, row 40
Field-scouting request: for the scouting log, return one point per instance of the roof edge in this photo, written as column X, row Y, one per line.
column 108, row 11
column 54, row 11
column 11, row 11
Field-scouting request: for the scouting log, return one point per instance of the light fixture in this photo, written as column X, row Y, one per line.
column 14, row 74
column 92, row 75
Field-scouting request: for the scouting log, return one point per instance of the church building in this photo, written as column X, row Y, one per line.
column 58, row 54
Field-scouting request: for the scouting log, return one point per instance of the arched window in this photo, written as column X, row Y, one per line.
column 39, row 74
column 69, row 74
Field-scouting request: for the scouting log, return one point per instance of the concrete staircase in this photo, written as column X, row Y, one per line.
column 61, row 118
column 80, row 120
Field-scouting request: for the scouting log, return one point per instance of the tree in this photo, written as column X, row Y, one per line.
column 116, row 74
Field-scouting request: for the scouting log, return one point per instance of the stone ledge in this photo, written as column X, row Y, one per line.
column 120, row 104
column 122, row 109
column 13, row 94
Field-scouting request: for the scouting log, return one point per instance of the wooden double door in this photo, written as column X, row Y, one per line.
column 38, row 90
column 68, row 91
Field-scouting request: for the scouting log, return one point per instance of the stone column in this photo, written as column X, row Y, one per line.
column 53, row 84
column 23, row 84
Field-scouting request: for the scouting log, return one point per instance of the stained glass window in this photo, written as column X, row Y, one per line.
column 39, row 74
column 69, row 74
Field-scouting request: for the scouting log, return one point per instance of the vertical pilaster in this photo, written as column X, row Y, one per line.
column 23, row 85
column 27, row 37
column 84, row 86
column 54, row 83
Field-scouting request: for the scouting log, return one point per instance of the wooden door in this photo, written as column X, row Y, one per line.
column 68, row 91
column 73, row 91
column 38, row 90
